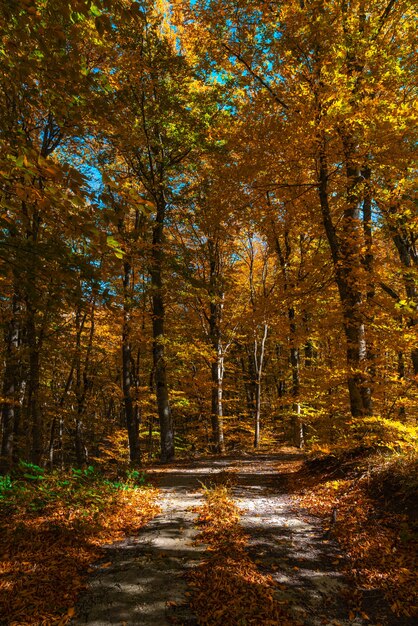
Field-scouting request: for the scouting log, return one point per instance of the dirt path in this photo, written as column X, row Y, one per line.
column 290, row 545
column 141, row 580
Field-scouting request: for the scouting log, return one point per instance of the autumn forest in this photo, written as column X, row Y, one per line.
column 208, row 248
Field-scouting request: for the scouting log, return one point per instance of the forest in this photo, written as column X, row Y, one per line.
column 208, row 251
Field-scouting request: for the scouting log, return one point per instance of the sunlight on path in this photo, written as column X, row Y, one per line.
column 290, row 546
column 141, row 580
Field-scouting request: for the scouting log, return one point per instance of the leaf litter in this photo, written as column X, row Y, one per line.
column 51, row 534
column 227, row 588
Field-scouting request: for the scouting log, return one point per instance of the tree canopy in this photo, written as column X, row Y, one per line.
column 208, row 225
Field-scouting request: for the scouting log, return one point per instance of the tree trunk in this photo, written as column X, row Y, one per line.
column 257, row 415
column 401, row 377
column 259, row 362
column 80, row 447
column 217, row 409
column 309, row 348
column 281, row 381
column 82, row 383
column 346, row 256
column 348, row 279
column 409, row 259
column 131, row 414
column 248, row 386
column 158, row 322
column 217, row 368
column 34, row 410
column 58, row 417
column 297, row 424
column 10, row 389
column 284, row 253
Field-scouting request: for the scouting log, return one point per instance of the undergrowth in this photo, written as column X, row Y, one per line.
column 52, row 527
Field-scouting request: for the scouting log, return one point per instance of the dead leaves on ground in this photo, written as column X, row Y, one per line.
column 45, row 555
column 227, row 589
column 378, row 542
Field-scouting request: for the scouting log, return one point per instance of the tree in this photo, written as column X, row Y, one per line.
column 156, row 123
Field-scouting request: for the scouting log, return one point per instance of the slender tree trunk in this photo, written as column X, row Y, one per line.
column 135, row 368
column 58, row 416
column 349, row 277
column 281, row 381
column 78, row 433
column 131, row 414
column 82, row 384
column 158, row 323
column 10, row 389
column 51, row 446
column 409, row 259
column 284, row 253
column 257, row 415
column 309, row 353
column 259, row 362
column 401, row 376
column 297, row 424
column 18, row 413
column 80, row 447
column 61, row 441
column 217, row 368
column 248, row 386
column 368, row 263
column 256, row 357
column 217, row 408
column 34, row 409
column 309, row 348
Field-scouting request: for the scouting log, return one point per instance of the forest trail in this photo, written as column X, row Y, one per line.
column 142, row 579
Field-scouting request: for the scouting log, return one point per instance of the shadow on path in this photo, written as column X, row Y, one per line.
column 141, row 580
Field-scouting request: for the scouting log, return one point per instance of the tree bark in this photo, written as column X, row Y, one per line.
column 248, row 386
column 10, row 389
column 34, row 409
column 409, row 259
column 284, row 253
column 346, row 256
column 401, row 377
column 158, row 324
column 259, row 363
column 281, row 380
column 297, row 424
column 82, row 384
column 132, row 422
column 217, row 368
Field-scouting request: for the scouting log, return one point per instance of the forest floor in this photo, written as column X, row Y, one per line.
column 148, row 579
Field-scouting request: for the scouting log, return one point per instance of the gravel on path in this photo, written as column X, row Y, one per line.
column 141, row 581
column 290, row 545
